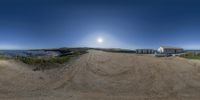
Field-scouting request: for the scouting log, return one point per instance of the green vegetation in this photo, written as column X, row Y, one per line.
column 65, row 55
column 191, row 55
column 52, row 60
column 41, row 61
column 45, row 62
column 2, row 57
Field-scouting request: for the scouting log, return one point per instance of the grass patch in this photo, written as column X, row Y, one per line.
column 191, row 55
column 2, row 57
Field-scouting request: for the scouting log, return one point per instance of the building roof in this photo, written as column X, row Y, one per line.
column 170, row 47
column 144, row 49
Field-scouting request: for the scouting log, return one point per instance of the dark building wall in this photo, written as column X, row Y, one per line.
column 145, row 51
column 173, row 51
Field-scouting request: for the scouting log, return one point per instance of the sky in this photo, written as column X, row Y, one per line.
column 130, row 24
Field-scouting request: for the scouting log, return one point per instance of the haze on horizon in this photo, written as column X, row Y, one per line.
column 81, row 23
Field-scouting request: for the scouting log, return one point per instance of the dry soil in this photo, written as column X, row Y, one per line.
column 100, row 75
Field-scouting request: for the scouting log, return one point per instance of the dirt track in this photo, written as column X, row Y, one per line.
column 104, row 76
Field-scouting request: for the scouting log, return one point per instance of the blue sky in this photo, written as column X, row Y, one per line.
column 78, row 23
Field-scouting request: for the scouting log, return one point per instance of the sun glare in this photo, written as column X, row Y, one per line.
column 100, row 40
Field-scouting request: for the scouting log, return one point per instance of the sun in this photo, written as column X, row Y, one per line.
column 99, row 40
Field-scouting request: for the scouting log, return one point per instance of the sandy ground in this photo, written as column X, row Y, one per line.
column 101, row 75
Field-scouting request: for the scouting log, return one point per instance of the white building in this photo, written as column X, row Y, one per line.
column 170, row 50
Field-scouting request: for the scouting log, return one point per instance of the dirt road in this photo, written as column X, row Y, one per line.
column 101, row 75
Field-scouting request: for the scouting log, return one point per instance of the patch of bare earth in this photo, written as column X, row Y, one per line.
column 101, row 75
